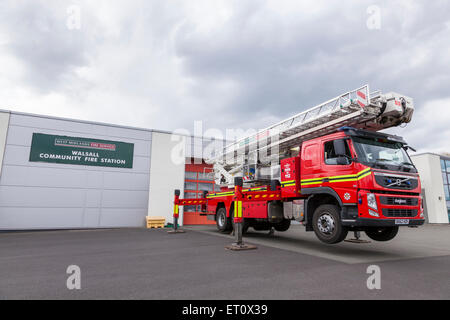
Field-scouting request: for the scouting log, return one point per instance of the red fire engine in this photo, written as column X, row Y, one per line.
column 328, row 168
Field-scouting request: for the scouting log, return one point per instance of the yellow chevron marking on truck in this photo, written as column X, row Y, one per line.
column 231, row 193
column 350, row 177
column 220, row 194
column 308, row 183
column 255, row 189
column 364, row 175
column 288, row 185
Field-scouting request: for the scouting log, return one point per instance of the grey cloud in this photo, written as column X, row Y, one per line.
column 40, row 38
column 254, row 68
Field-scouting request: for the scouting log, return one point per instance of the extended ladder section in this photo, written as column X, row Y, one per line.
column 357, row 108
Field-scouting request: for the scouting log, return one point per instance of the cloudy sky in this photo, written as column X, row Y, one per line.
column 232, row 64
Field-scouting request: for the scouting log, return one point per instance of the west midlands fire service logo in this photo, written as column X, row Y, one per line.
column 347, row 196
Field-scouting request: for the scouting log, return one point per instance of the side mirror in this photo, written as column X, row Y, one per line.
column 406, row 147
column 342, row 160
column 339, row 147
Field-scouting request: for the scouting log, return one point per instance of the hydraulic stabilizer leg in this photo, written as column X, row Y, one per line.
column 238, row 219
column 176, row 209
column 357, row 238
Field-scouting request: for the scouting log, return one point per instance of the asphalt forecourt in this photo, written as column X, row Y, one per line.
column 410, row 243
column 152, row 264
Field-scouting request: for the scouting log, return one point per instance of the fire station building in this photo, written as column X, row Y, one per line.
column 60, row 173
column 434, row 171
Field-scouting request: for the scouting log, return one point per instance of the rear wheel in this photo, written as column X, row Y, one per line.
column 382, row 234
column 327, row 224
column 283, row 225
column 222, row 221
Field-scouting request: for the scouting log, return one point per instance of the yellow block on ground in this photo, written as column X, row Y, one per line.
column 155, row 222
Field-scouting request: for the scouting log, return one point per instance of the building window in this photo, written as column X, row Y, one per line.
column 191, row 186
column 190, row 175
column 202, row 186
column 190, row 195
column 205, row 176
column 448, row 209
column 445, row 167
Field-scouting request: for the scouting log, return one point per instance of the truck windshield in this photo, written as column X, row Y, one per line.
column 378, row 152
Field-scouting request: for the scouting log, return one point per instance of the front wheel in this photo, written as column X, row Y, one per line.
column 382, row 233
column 327, row 224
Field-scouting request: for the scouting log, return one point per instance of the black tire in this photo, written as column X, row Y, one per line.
column 327, row 224
column 223, row 223
column 283, row 225
column 382, row 234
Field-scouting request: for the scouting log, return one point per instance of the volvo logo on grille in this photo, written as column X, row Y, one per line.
column 397, row 182
column 399, row 201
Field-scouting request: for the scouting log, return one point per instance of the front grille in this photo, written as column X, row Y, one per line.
column 405, row 183
column 400, row 193
column 399, row 212
column 399, row 201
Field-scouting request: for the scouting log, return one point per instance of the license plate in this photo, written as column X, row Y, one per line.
column 401, row 221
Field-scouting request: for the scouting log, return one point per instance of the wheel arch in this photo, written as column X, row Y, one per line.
column 317, row 197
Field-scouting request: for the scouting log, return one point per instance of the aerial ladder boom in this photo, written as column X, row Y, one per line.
column 357, row 108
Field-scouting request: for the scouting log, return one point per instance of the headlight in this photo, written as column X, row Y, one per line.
column 373, row 213
column 372, row 201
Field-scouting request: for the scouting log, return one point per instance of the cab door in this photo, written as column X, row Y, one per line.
column 310, row 163
column 339, row 171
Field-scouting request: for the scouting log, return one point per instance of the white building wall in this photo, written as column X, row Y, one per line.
column 4, row 123
column 429, row 169
column 39, row 195
column 167, row 174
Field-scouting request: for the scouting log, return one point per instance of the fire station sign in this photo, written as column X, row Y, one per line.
column 81, row 151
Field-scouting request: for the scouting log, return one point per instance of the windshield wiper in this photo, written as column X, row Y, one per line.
column 407, row 166
column 379, row 162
